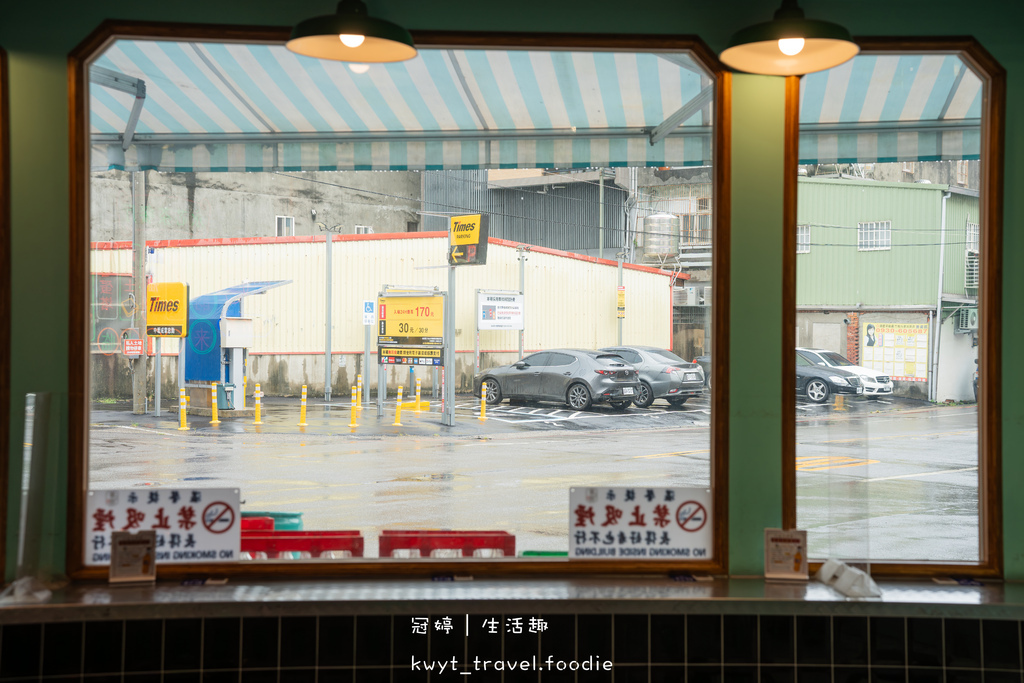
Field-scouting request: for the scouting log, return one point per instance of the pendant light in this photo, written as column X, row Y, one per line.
column 789, row 45
column 351, row 35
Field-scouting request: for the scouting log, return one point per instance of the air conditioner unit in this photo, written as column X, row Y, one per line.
column 968, row 319
column 364, row 230
column 690, row 296
column 707, row 296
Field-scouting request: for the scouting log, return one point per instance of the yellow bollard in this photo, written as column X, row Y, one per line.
column 359, row 392
column 182, row 426
column 244, row 382
column 302, row 410
column 257, row 395
column 483, row 401
column 839, row 403
column 417, row 395
column 398, row 409
column 213, row 404
column 352, row 413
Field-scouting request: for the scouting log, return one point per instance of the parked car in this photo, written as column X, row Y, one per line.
column 705, row 364
column 663, row 374
column 818, row 382
column 875, row 382
column 975, row 380
column 575, row 376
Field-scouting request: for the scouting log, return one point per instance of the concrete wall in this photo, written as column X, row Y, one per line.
column 956, row 364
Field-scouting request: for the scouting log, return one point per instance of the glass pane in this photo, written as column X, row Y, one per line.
column 246, row 157
column 887, row 298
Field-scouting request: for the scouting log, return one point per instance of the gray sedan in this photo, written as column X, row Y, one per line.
column 663, row 374
column 577, row 377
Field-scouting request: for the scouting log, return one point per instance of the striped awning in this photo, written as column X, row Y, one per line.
column 178, row 106
column 882, row 108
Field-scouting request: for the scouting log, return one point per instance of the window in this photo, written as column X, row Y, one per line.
column 962, row 166
column 299, row 336
column 285, row 226
column 973, row 237
column 876, row 236
column 803, row 239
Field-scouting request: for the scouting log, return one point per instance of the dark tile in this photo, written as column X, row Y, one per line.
column 1001, row 644
column 558, row 639
column 813, row 640
column 925, row 675
column 963, row 676
column 221, row 676
column 778, row 674
column 143, row 642
column 888, row 641
column 152, row 677
column 556, row 676
column 95, row 678
column 883, row 675
column 594, row 635
column 703, row 639
column 850, row 674
column 336, row 641
column 924, row 642
column 1002, row 676
column 668, row 638
column 221, row 641
column 260, row 639
column 660, row 674
column 373, row 640
column 518, row 646
column 372, row 675
column 704, row 674
column 298, row 641
column 518, row 677
column 739, row 639
column 103, row 640
column 963, row 643
column 344, row 676
column 190, row 677
column 298, row 676
column 62, row 649
column 259, row 675
column 448, row 639
column 182, row 644
column 631, row 673
column 740, row 674
column 485, row 637
column 813, row 674
column 778, row 640
column 402, row 674
column 19, row 655
column 408, row 643
column 850, row 641
column 630, row 639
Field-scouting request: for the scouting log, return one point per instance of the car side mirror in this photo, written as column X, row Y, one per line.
column 521, row 364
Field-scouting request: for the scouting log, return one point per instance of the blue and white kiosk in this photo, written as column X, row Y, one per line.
column 218, row 342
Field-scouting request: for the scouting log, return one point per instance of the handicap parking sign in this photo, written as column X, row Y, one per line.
column 368, row 312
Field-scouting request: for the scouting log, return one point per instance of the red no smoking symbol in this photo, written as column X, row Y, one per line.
column 218, row 517
column 691, row 516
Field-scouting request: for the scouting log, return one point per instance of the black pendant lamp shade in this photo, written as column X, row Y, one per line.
column 351, row 35
column 806, row 45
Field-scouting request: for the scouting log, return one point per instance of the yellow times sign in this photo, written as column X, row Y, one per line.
column 410, row 316
column 167, row 309
column 465, row 229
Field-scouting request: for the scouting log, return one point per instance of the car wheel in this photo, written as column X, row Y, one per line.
column 619, row 405
column 493, row 391
column 817, row 391
column 678, row 401
column 644, row 397
column 578, row 397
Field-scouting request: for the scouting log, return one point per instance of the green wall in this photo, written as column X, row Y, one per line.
column 39, row 37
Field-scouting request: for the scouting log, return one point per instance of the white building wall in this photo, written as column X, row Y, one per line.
column 956, row 364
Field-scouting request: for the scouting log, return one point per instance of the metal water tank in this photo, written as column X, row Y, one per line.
column 661, row 235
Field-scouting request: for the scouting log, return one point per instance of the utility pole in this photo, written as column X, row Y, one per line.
column 139, row 365
column 522, row 249
column 600, row 217
column 329, row 242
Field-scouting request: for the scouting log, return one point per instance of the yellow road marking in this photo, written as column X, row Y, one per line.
column 815, row 463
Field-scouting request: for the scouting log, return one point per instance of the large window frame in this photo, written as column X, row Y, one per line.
column 78, row 469
column 993, row 75
column 5, row 305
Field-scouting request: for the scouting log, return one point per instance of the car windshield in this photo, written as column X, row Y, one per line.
column 836, row 359
column 667, row 356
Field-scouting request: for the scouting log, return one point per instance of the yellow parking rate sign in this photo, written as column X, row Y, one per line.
column 167, row 309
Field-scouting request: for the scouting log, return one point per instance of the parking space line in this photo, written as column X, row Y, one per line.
column 921, row 474
column 669, row 455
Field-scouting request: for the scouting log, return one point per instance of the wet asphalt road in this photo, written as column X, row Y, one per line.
column 894, row 479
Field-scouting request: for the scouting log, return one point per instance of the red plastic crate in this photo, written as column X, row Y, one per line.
column 427, row 541
column 273, row 543
column 257, row 523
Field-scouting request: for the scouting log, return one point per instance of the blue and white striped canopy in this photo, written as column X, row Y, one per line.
column 879, row 108
column 233, row 107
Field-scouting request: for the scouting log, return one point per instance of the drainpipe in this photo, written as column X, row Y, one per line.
column 933, row 393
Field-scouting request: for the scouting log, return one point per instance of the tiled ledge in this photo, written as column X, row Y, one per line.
column 610, row 595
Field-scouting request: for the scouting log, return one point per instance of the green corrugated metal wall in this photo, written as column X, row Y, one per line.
column 960, row 209
column 835, row 273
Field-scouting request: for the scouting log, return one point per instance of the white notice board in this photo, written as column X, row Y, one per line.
column 500, row 311
column 639, row 522
column 191, row 525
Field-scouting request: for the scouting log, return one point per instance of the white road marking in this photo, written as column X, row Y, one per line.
column 149, row 431
column 921, row 474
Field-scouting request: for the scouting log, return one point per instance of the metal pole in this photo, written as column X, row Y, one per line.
column 522, row 290
column 476, row 345
column 448, row 415
column 619, row 342
column 366, row 361
column 327, row 330
column 600, row 216
column 158, row 373
column 139, row 365
column 382, row 388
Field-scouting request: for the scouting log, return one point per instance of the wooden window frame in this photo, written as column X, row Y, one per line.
column 78, row 470
column 5, row 304
column 990, row 298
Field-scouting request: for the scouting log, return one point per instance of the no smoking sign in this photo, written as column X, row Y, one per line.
column 218, row 517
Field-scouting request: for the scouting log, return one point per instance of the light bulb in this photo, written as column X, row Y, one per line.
column 791, row 46
column 358, row 68
column 355, row 41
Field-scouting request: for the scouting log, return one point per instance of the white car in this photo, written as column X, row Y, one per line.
column 875, row 382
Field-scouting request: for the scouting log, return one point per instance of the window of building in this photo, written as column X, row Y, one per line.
column 874, row 236
column 803, row 239
column 973, row 237
column 278, row 320
column 285, row 226
column 962, row 166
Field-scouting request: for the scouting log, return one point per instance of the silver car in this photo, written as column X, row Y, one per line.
column 663, row 374
column 575, row 376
